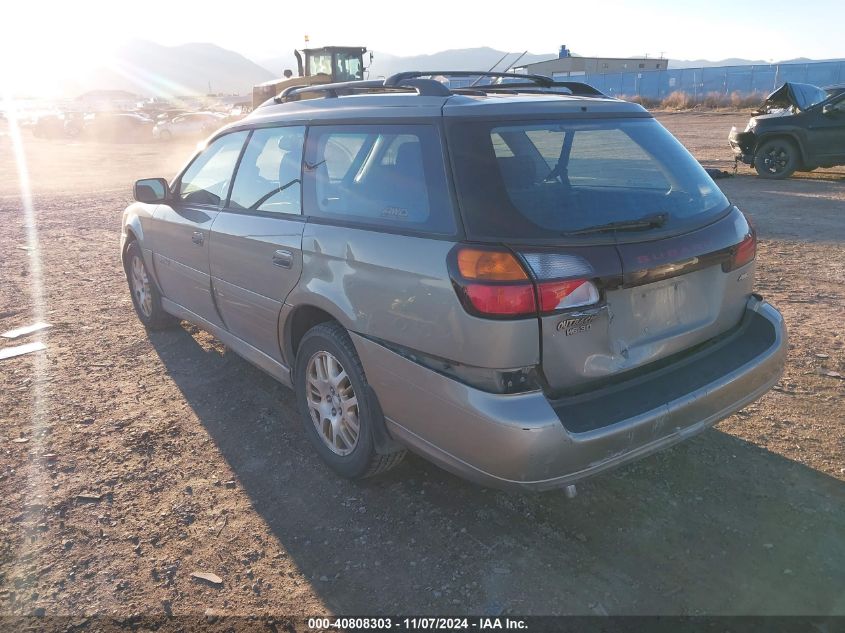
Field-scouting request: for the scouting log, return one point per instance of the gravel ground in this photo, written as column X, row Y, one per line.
column 129, row 461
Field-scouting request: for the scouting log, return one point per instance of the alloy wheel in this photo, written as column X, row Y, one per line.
column 141, row 286
column 332, row 403
column 776, row 159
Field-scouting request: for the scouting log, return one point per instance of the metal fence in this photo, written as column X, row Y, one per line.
column 722, row 80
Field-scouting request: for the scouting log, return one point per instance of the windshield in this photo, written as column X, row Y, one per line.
column 544, row 179
column 349, row 67
column 320, row 63
column 806, row 96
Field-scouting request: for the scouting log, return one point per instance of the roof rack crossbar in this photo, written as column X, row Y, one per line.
column 331, row 90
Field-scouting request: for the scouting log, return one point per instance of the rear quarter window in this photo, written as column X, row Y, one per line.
column 381, row 175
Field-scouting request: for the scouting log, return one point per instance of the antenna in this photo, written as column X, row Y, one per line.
column 513, row 63
column 491, row 69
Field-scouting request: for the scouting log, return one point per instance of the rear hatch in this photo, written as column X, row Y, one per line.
column 635, row 253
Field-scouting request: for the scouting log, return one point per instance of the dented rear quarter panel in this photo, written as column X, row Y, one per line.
column 396, row 288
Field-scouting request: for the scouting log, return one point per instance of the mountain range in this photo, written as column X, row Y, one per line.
column 150, row 69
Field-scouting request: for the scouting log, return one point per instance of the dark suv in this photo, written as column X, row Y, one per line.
column 798, row 128
column 524, row 286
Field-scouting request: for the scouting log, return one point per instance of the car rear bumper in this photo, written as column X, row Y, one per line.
column 525, row 441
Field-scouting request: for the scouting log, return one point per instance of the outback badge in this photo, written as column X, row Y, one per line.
column 576, row 325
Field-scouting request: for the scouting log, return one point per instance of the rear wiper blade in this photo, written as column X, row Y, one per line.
column 645, row 222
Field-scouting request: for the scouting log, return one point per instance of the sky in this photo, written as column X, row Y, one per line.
column 39, row 37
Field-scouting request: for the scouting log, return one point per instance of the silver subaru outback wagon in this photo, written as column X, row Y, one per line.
column 525, row 282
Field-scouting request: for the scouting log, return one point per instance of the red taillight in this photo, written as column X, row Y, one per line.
column 745, row 251
column 502, row 300
column 493, row 282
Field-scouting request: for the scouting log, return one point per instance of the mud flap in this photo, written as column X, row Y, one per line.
column 382, row 441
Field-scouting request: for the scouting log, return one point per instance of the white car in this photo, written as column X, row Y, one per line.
column 193, row 124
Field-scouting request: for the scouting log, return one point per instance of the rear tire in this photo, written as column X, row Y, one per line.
column 331, row 391
column 777, row 158
column 146, row 299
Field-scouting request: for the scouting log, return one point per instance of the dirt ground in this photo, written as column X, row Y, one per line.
column 129, row 460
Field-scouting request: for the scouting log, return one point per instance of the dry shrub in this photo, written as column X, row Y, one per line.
column 742, row 100
column 715, row 100
column 678, row 100
column 646, row 102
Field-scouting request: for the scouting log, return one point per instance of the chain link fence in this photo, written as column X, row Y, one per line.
column 699, row 83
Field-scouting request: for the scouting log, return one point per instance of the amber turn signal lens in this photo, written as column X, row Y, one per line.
column 489, row 265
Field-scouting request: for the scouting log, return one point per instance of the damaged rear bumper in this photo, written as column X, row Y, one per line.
column 527, row 441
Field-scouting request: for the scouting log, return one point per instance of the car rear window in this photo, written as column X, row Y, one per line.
column 385, row 175
column 541, row 179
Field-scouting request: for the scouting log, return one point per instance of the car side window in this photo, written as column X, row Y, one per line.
column 206, row 181
column 270, row 172
column 389, row 175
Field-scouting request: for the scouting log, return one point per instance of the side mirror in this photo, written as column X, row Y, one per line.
column 151, row 190
column 828, row 109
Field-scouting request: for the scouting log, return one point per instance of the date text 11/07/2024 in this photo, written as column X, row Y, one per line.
column 418, row 624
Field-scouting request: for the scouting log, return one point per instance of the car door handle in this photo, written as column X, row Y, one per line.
column 283, row 259
column 197, row 238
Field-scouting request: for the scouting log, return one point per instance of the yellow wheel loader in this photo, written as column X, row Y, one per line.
column 329, row 64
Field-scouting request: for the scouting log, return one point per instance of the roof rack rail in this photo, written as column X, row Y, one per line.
column 423, row 87
column 423, row 84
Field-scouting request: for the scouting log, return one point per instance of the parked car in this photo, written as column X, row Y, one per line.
column 117, row 127
column 50, row 125
column 799, row 127
column 524, row 288
column 190, row 125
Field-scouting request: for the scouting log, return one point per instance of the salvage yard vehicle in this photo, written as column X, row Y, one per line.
column 526, row 283
column 188, row 125
column 119, row 127
column 799, row 127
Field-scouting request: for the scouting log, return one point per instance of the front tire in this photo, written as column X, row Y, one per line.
column 777, row 158
column 146, row 299
column 332, row 394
